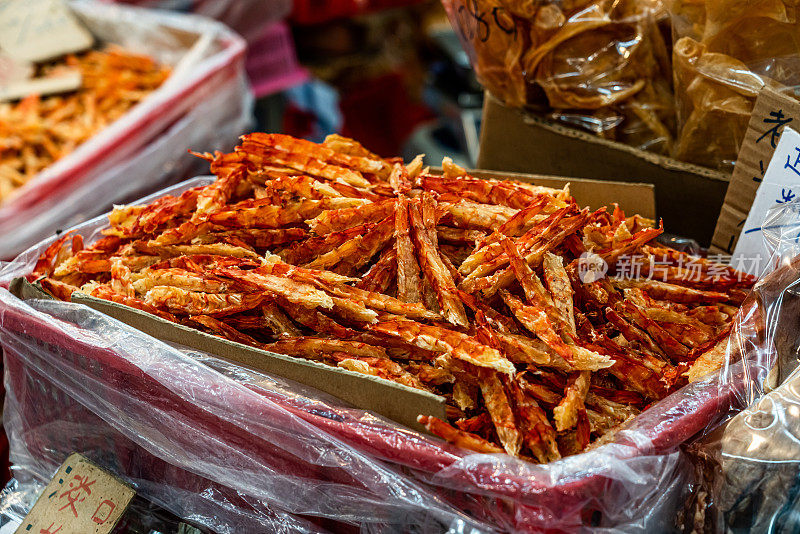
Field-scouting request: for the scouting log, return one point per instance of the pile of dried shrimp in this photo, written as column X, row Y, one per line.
column 472, row 289
column 37, row 131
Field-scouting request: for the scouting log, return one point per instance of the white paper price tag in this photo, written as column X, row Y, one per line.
column 781, row 184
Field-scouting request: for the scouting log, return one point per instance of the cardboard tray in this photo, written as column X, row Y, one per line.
column 688, row 197
column 508, row 498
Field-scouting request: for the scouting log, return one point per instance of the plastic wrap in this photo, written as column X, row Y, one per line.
column 239, row 451
column 599, row 66
column 748, row 468
column 724, row 53
column 204, row 104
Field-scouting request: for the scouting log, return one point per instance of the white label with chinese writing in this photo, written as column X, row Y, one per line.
column 81, row 498
column 38, row 30
column 781, row 184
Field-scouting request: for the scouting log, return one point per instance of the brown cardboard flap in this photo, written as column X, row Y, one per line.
column 390, row 399
column 631, row 197
column 23, row 290
column 772, row 111
column 38, row 30
column 81, row 498
column 688, row 197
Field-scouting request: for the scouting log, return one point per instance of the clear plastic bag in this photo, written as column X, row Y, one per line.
column 239, row 451
column 595, row 65
column 747, row 469
column 725, row 51
column 203, row 105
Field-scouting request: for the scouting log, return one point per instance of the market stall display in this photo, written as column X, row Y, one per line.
column 37, row 131
column 474, row 290
column 316, row 338
column 204, row 102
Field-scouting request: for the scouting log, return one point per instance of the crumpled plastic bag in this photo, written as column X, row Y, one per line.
column 747, row 469
column 240, row 451
column 724, row 53
column 597, row 65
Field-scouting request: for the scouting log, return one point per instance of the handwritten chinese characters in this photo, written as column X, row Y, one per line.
column 773, row 115
column 773, row 215
column 81, row 498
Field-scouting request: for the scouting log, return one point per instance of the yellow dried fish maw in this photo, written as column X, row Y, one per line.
column 716, row 95
column 498, row 40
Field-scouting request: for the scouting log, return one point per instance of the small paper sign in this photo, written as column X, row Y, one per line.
column 38, row 30
column 772, row 113
column 81, row 498
column 781, row 184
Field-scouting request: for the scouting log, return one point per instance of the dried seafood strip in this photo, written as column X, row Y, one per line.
column 473, row 291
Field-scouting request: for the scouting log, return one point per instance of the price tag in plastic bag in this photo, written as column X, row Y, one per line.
column 38, row 30
column 82, row 498
column 781, row 184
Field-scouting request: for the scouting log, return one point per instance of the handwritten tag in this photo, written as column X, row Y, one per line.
column 772, row 113
column 781, row 184
column 81, row 498
column 38, row 30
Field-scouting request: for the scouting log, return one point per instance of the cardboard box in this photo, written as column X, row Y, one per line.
column 688, row 197
column 390, row 399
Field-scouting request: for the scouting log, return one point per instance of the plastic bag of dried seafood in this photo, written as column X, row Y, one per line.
column 724, row 53
column 747, row 469
column 240, row 451
column 204, row 103
column 598, row 66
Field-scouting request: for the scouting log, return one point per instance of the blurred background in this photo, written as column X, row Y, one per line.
column 390, row 73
